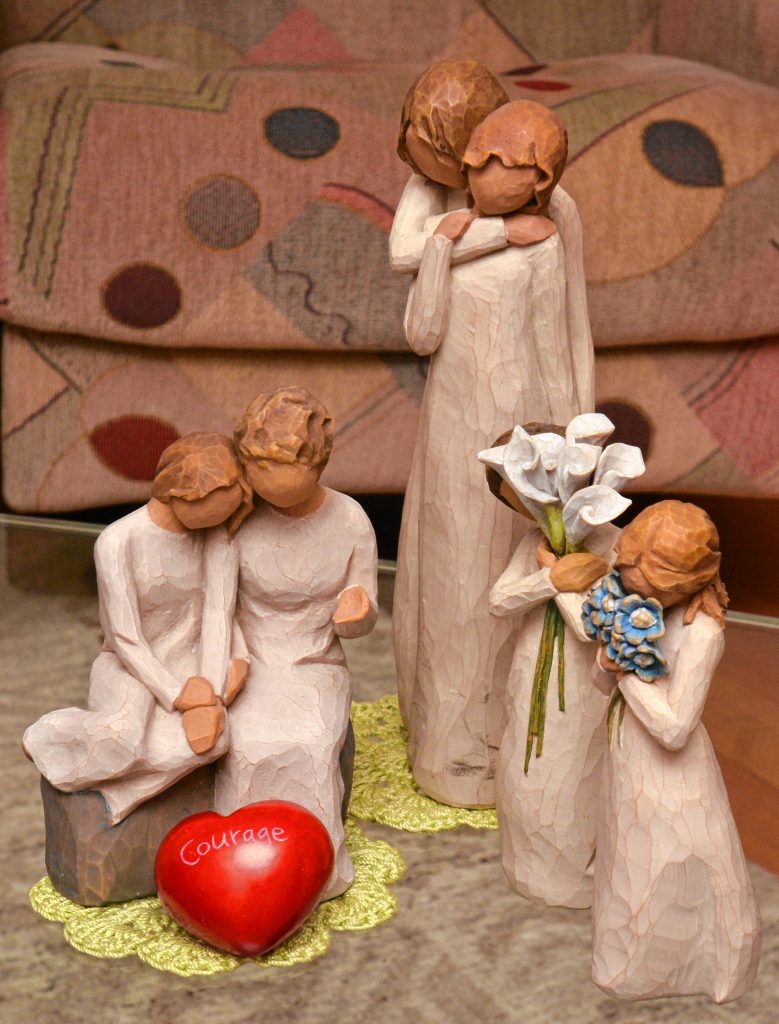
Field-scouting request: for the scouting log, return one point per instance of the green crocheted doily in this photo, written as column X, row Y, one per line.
column 384, row 790
column 143, row 929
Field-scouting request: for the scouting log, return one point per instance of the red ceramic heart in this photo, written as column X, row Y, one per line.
column 245, row 881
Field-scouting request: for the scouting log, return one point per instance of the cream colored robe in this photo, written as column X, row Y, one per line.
column 160, row 628
column 509, row 342
column 674, row 911
column 547, row 818
column 289, row 724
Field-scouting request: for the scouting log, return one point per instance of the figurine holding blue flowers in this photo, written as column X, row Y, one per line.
column 674, row 911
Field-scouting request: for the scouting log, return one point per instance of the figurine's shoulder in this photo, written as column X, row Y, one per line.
column 345, row 508
column 119, row 534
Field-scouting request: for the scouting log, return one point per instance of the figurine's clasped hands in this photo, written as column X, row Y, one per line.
column 202, row 714
column 352, row 612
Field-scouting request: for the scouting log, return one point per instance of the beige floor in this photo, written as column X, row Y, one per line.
column 462, row 947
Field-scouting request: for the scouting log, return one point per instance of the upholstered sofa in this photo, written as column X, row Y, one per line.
column 197, row 198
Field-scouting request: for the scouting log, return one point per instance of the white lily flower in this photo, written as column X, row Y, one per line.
column 575, row 466
column 590, row 427
column 618, row 464
column 523, row 468
column 550, row 446
column 590, row 507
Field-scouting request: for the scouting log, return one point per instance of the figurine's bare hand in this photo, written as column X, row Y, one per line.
column 454, row 225
column 197, row 692
column 545, row 557
column 203, row 726
column 354, row 614
column 526, row 229
column 236, row 679
column 354, row 605
column 577, row 571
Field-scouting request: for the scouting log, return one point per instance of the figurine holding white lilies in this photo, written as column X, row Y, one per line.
column 570, row 484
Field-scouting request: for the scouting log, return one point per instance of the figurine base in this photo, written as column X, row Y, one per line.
column 93, row 863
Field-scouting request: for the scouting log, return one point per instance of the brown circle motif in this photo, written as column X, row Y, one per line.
column 142, row 295
column 631, row 425
column 222, row 212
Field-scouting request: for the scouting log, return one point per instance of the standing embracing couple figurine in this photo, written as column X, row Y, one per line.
column 536, row 671
column 222, row 602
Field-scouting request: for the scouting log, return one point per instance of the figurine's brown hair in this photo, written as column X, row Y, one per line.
column 523, row 134
column 676, row 546
column 285, row 425
column 447, row 102
column 195, row 466
column 494, row 479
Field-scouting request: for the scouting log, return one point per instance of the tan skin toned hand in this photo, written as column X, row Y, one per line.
column 203, row 726
column 354, row 605
column 236, row 679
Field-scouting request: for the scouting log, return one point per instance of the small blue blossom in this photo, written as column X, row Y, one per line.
column 601, row 607
column 638, row 620
column 648, row 663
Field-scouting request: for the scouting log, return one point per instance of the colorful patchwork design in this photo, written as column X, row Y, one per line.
column 219, row 220
column 93, row 417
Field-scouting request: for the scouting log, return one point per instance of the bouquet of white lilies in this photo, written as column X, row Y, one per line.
column 570, row 485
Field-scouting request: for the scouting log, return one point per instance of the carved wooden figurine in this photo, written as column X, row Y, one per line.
column 509, row 341
column 308, row 575
column 549, row 763
column 159, row 686
column 674, row 911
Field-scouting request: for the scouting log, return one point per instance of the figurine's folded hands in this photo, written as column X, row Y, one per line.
column 354, row 613
column 197, row 692
column 203, row 726
column 236, row 679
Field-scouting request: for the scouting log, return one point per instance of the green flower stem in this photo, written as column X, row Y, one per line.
column 617, row 705
column 555, row 530
column 552, row 635
column 560, row 634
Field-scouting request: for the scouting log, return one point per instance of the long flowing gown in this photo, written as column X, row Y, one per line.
column 674, row 911
column 516, row 347
column 160, row 628
column 547, row 817
column 289, row 724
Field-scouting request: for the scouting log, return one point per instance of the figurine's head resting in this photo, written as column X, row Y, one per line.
column 500, row 487
column 440, row 112
column 671, row 551
column 286, row 425
column 200, row 478
column 520, row 134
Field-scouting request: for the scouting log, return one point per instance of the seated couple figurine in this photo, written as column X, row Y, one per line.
column 222, row 602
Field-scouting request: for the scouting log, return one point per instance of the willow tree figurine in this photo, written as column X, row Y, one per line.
column 674, row 911
column 509, row 342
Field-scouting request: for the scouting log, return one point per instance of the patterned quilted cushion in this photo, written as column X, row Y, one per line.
column 211, row 34
column 250, row 208
column 84, row 421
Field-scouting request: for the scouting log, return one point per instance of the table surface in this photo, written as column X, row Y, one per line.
column 462, row 946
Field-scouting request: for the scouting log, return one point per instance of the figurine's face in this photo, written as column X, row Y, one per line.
column 282, row 484
column 211, row 510
column 635, row 582
column 498, row 190
column 439, row 167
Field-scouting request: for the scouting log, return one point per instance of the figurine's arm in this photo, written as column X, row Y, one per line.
column 220, row 585
column 427, row 311
column 671, row 708
column 357, row 606
column 562, row 210
column 422, row 199
column 121, row 620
